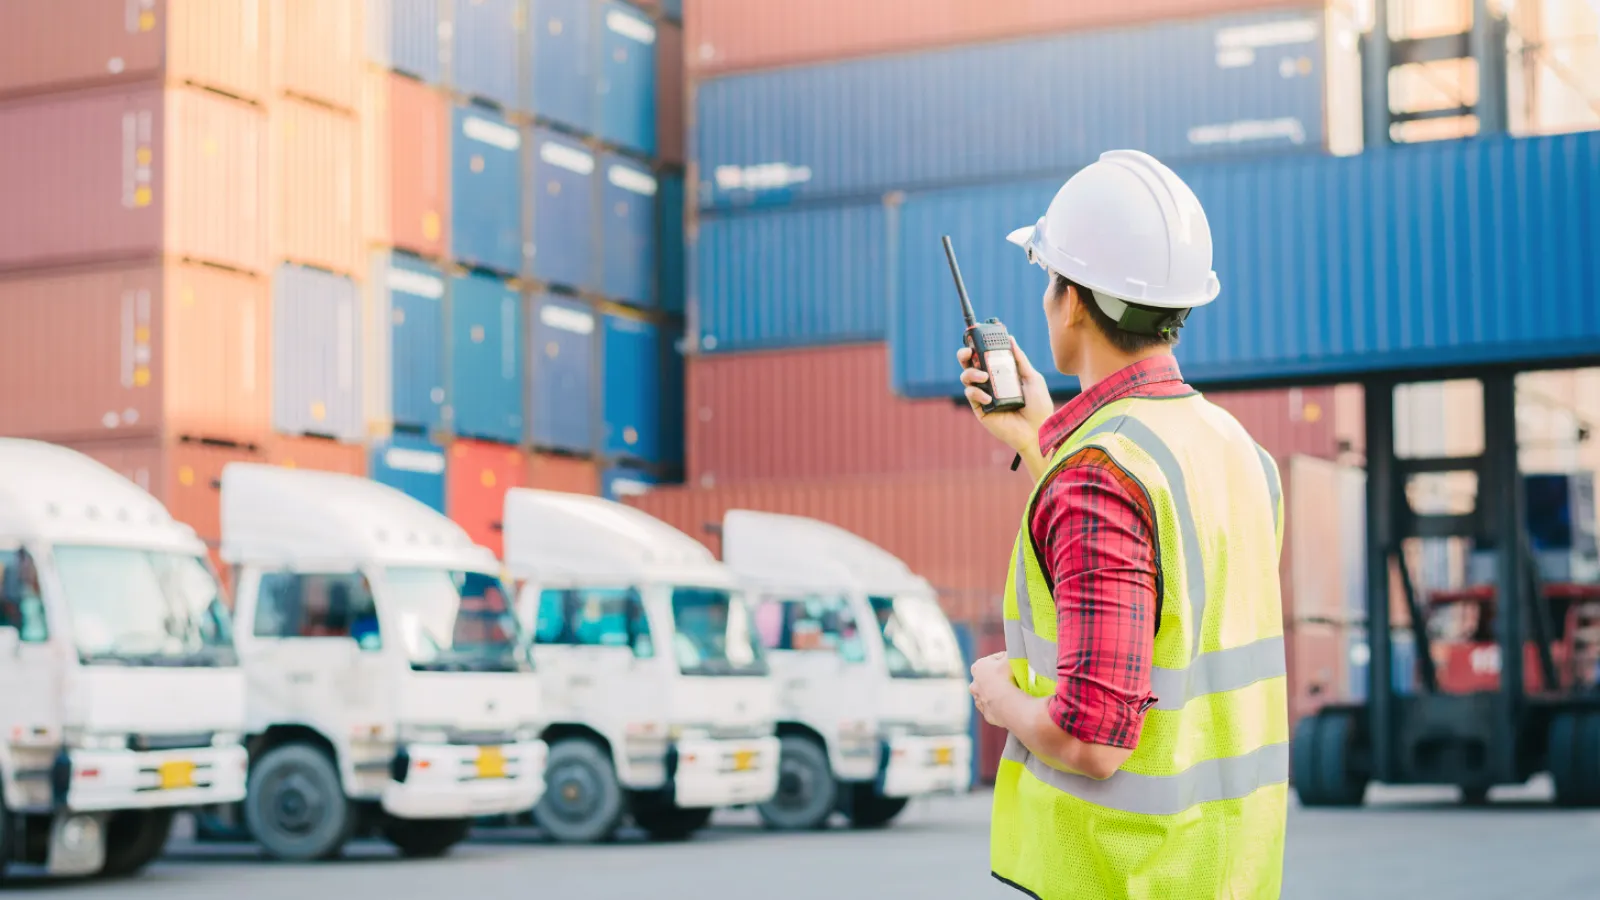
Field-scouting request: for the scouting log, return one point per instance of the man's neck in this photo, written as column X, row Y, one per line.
column 1103, row 361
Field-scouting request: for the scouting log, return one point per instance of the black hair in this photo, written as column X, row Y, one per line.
column 1142, row 327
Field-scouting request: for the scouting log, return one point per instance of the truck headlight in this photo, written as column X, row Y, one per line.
column 79, row 739
column 424, row 734
column 226, row 738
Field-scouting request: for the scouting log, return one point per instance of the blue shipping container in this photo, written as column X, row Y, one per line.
column 403, row 35
column 562, row 62
column 486, row 359
column 564, row 186
column 316, row 354
column 1179, row 90
column 563, row 346
column 623, row 481
column 483, row 50
column 627, row 85
column 1402, row 259
column 1403, row 664
column 412, row 464
column 672, row 398
column 408, row 350
column 794, row 278
column 673, row 8
column 486, row 190
column 631, row 391
column 672, row 261
column 628, row 231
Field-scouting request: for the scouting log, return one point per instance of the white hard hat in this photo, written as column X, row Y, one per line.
column 1129, row 229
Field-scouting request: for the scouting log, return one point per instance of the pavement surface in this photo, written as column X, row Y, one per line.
column 1412, row 843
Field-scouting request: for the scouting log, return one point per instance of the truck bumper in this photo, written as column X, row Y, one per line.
column 447, row 781
column 928, row 765
column 713, row 773
column 106, row 780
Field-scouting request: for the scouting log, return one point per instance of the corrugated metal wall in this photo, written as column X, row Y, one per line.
column 316, row 50
column 671, row 95
column 631, row 389
column 563, row 192
column 316, row 205
column 405, row 169
column 551, row 472
column 485, row 355
column 484, row 35
column 627, row 82
column 316, row 354
column 413, row 464
column 405, row 359
column 565, row 366
column 628, row 217
column 562, row 65
column 477, row 479
column 403, row 35
column 486, row 190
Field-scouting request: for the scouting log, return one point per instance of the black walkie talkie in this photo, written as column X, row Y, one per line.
column 991, row 349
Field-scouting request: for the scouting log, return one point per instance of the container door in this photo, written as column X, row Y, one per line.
column 483, row 54
column 563, row 351
column 416, row 324
column 413, row 465
column 628, row 222
column 632, row 390
column 316, row 354
column 486, row 190
column 562, row 51
column 627, row 78
column 565, row 195
column 485, row 359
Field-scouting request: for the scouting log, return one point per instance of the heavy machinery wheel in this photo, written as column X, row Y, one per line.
column 1329, row 761
column 807, row 793
column 870, row 809
column 582, row 801
column 664, row 822
column 1574, row 755
column 425, row 838
column 1303, row 767
column 296, row 807
column 134, row 839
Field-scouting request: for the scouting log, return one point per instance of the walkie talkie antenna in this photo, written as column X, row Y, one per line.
column 961, row 286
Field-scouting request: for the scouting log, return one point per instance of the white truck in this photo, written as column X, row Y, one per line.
column 389, row 688
column 661, row 705
column 873, row 707
column 121, row 699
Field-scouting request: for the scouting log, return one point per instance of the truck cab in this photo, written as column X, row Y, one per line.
column 389, row 688
column 873, row 705
column 661, row 704
column 122, row 697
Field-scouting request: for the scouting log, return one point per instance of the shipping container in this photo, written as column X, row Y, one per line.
column 1353, row 541
column 1475, row 222
column 1316, row 661
column 405, row 133
column 554, row 472
column 672, row 98
column 1183, row 91
column 412, row 464
column 1402, row 668
column 316, row 219
column 404, row 35
column 564, row 186
column 485, row 352
column 485, row 190
column 316, row 50
column 562, row 62
column 673, row 8
column 631, row 390
column 405, row 368
column 803, row 277
column 1314, row 555
column 732, row 35
column 317, row 454
column 628, row 229
column 316, row 354
column 672, row 260
column 627, row 78
column 477, row 478
column 146, row 349
column 624, row 482
column 673, row 378
column 563, row 345
column 132, row 173
column 186, row 476
column 71, row 44
column 484, row 38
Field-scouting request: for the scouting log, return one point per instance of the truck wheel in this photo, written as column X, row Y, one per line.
column 582, row 802
column 134, row 838
column 870, row 809
column 425, row 838
column 1574, row 755
column 663, row 821
column 807, row 793
column 1303, row 761
column 296, row 806
column 1340, row 760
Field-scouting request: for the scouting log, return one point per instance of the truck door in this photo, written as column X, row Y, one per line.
column 30, row 716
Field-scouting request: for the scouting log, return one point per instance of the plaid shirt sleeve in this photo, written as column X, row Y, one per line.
column 1093, row 528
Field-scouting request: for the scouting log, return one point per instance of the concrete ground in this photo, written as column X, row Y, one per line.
column 1405, row 844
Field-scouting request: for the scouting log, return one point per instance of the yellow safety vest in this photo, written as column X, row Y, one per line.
column 1198, row 810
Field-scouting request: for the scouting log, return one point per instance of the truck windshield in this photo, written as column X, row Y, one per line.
column 144, row 607
column 713, row 634
column 917, row 639
column 452, row 621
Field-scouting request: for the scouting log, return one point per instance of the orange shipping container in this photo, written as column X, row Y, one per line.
column 477, row 477
column 550, row 472
column 149, row 349
column 317, row 454
column 315, row 207
column 1316, row 657
column 317, row 50
column 70, row 44
column 405, row 135
column 184, row 475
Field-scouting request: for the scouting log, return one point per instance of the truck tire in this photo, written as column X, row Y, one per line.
column 1339, row 759
column 425, row 838
column 870, row 809
column 663, row 821
column 296, row 807
column 807, row 793
column 582, row 802
column 1303, row 761
column 1574, row 758
column 134, row 838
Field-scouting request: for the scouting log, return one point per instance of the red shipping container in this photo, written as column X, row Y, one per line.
column 1286, row 422
column 550, row 472
column 317, row 50
column 184, row 475
column 132, row 173
column 316, row 454
column 405, row 135
column 477, row 476
column 729, row 35
column 315, row 188
column 1317, row 666
column 144, row 350
column 671, row 123
column 70, row 44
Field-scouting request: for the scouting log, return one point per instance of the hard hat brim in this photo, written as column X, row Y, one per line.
column 1022, row 235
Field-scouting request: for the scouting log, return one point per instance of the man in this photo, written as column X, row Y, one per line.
column 1143, row 680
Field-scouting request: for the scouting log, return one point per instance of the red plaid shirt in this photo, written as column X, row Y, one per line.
column 1094, row 529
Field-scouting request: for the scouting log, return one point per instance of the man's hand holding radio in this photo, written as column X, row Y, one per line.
column 1018, row 429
